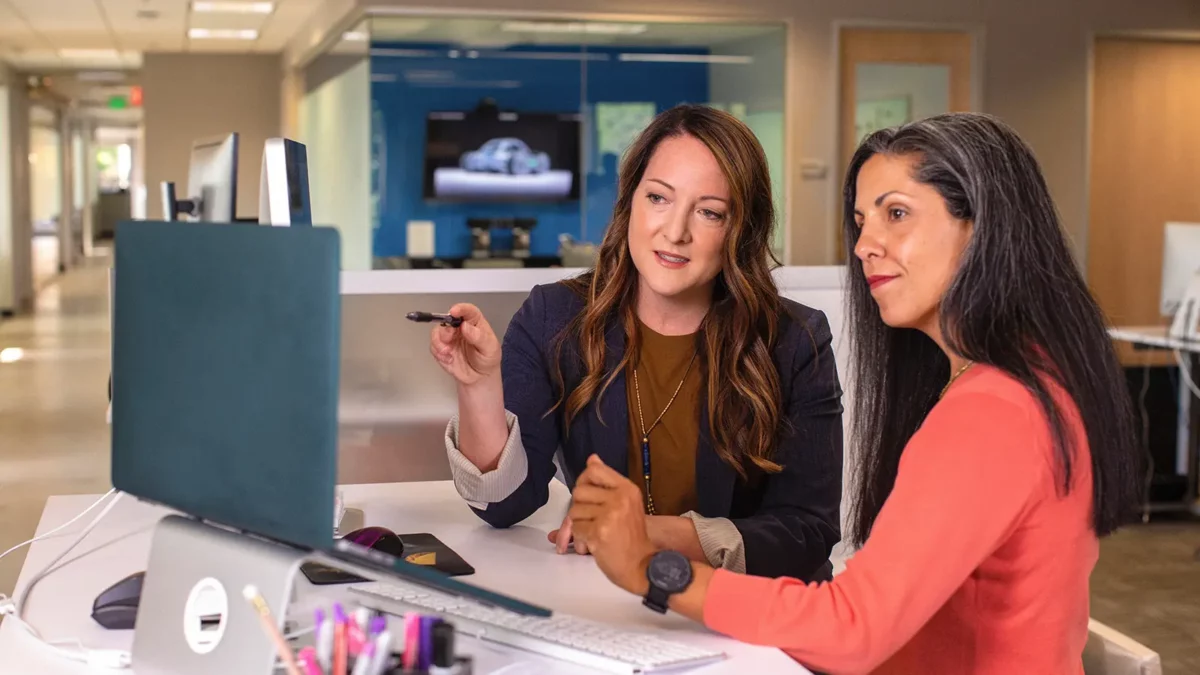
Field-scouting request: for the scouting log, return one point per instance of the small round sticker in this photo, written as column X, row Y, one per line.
column 205, row 615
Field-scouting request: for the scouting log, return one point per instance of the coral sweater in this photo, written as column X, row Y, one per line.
column 977, row 563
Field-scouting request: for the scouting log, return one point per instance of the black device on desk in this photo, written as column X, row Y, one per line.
column 512, row 242
column 226, row 348
column 116, row 608
column 419, row 549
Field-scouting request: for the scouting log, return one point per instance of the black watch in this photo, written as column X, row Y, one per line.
column 670, row 572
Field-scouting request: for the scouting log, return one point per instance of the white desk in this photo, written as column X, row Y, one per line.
column 1185, row 444
column 518, row 561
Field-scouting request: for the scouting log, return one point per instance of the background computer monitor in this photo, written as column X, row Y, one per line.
column 1181, row 261
column 211, row 194
column 212, row 176
column 283, row 190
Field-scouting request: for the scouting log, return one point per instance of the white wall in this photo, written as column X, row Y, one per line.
column 193, row 96
column 16, row 251
column 926, row 86
column 45, row 173
column 335, row 126
column 6, row 211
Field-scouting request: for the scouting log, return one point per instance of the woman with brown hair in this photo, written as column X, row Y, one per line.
column 675, row 360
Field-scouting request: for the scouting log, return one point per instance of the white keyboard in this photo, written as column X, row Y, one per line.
column 568, row 638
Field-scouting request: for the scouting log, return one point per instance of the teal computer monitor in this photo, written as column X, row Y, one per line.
column 226, row 347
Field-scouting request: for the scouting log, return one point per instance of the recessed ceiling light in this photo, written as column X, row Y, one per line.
column 89, row 54
column 217, row 7
column 100, row 76
column 688, row 58
column 587, row 27
column 222, row 34
column 11, row 354
column 354, row 36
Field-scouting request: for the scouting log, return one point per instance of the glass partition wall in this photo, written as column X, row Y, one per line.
column 495, row 142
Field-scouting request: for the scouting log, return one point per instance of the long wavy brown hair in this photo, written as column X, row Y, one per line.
column 738, row 334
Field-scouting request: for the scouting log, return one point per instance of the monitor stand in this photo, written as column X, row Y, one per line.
column 1186, row 325
column 193, row 618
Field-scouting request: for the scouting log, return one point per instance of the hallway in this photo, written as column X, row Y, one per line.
column 53, row 397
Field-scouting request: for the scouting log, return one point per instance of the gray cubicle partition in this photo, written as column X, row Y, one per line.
column 395, row 399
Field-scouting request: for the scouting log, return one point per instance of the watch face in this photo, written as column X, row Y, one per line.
column 670, row 571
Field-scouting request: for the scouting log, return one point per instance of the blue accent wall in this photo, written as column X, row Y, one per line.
column 411, row 80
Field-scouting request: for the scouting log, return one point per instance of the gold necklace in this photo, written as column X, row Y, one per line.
column 646, row 432
column 955, row 377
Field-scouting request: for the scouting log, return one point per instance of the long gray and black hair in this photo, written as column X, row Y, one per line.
column 1017, row 303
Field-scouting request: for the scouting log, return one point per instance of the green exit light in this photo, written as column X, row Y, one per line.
column 118, row 102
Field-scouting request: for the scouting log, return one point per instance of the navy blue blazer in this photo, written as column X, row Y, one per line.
column 789, row 521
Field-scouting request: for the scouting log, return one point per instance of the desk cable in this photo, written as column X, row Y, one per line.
column 14, row 609
column 1186, row 373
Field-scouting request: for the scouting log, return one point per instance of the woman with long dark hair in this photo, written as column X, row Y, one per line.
column 993, row 431
column 675, row 360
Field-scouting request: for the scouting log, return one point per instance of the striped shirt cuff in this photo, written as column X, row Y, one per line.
column 721, row 541
column 480, row 489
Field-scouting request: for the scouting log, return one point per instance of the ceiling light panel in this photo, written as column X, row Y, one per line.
column 225, row 7
column 573, row 27
column 222, row 34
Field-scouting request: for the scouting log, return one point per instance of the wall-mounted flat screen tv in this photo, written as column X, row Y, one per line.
column 506, row 156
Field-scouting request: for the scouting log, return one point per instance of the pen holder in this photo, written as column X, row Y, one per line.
column 463, row 665
column 193, row 618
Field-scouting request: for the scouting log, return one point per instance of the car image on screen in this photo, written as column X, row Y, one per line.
column 505, row 155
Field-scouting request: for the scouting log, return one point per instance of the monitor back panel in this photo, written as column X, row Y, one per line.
column 225, row 373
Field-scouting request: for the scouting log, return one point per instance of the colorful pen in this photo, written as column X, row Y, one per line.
column 324, row 638
column 362, row 665
column 425, row 653
column 383, row 652
column 284, row 650
column 340, row 652
column 308, row 662
column 356, row 637
column 412, row 640
column 362, row 616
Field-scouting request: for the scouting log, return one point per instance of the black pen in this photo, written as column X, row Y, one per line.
column 426, row 317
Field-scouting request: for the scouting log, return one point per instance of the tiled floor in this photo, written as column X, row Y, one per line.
column 54, row 440
column 53, row 435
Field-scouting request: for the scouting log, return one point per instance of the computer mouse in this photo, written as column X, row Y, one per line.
column 378, row 538
column 116, row 608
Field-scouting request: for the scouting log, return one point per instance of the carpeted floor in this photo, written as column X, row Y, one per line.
column 1147, row 585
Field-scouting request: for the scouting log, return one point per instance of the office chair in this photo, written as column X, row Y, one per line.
column 1111, row 653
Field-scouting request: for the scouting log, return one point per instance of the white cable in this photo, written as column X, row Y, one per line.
column 1186, row 373
column 70, row 522
column 1146, row 439
column 15, row 609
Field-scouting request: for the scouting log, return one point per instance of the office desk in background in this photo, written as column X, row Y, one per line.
column 518, row 561
column 1187, row 445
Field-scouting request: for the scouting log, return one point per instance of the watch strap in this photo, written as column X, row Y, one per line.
column 656, row 599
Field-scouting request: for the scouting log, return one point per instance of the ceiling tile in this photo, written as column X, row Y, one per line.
column 43, row 14
column 35, row 59
column 220, row 46
column 287, row 21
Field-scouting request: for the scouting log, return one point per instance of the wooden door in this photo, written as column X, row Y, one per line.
column 1145, row 172
column 930, row 69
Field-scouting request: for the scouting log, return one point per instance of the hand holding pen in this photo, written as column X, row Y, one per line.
column 470, row 352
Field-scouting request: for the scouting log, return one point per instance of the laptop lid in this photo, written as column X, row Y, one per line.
column 225, row 374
